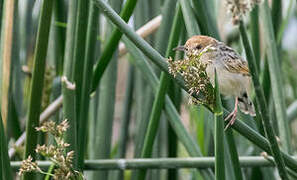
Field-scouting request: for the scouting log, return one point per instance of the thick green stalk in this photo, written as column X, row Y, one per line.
column 5, row 169
column 107, row 93
column 60, row 35
column 162, row 38
column 276, row 78
column 102, row 144
column 139, row 42
column 111, row 44
column 144, row 102
column 262, row 104
column 162, row 41
column 234, row 154
column 261, row 141
column 143, row 93
column 276, row 15
column 160, row 96
column 189, row 18
column 37, row 80
column 156, row 58
column 206, row 20
column 78, row 56
column 69, row 99
column 255, row 34
column 159, row 163
column 219, row 133
column 89, row 57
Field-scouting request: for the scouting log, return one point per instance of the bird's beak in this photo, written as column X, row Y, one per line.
column 179, row 48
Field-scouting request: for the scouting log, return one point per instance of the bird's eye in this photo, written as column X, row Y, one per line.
column 198, row 47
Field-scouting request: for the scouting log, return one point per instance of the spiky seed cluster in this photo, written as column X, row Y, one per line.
column 64, row 163
column 28, row 166
column 238, row 8
column 56, row 153
column 52, row 128
column 194, row 74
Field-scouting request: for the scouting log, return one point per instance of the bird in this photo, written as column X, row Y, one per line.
column 232, row 71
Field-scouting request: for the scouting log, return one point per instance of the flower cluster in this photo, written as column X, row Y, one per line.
column 56, row 130
column 29, row 166
column 196, row 79
column 56, row 153
column 239, row 8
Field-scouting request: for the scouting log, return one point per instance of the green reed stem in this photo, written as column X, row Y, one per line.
column 111, row 44
column 276, row 77
column 189, row 18
column 161, row 92
column 234, row 154
column 69, row 99
column 5, row 169
column 219, row 133
column 89, row 58
column 262, row 104
column 34, row 107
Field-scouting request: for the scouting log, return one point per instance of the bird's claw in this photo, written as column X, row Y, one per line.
column 233, row 116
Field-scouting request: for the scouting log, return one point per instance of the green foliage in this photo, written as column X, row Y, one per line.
column 141, row 107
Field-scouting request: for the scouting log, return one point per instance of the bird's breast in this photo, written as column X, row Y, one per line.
column 231, row 84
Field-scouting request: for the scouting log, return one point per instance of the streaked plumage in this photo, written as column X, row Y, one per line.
column 233, row 73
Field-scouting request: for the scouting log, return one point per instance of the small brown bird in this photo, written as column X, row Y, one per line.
column 233, row 73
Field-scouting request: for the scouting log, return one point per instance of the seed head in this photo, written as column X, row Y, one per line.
column 56, row 153
column 194, row 74
column 28, row 166
column 238, row 8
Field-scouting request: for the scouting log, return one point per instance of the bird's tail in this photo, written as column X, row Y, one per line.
column 246, row 105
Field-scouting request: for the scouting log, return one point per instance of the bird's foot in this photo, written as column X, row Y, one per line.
column 232, row 116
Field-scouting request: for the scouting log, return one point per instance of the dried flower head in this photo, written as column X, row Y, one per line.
column 56, row 153
column 28, row 166
column 194, row 74
column 46, row 151
column 53, row 128
column 238, row 8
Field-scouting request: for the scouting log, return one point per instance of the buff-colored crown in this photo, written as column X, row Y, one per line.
column 199, row 42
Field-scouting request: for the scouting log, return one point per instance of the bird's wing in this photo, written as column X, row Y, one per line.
column 233, row 62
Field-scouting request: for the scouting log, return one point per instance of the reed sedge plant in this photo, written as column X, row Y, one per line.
column 135, row 108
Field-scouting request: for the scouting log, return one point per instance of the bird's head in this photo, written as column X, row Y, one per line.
column 196, row 43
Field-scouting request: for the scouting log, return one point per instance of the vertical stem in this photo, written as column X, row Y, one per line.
column 188, row 14
column 78, row 56
column 107, row 93
column 255, row 34
column 86, row 80
column 160, row 96
column 111, row 43
column 69, row 98
column 5, row 169
column 219, row 134
column 262, row 104
column 37, row 80
column 234, row 154
column 276, row 78
column 276, row 15
column 205, row 16
column 60, row 35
